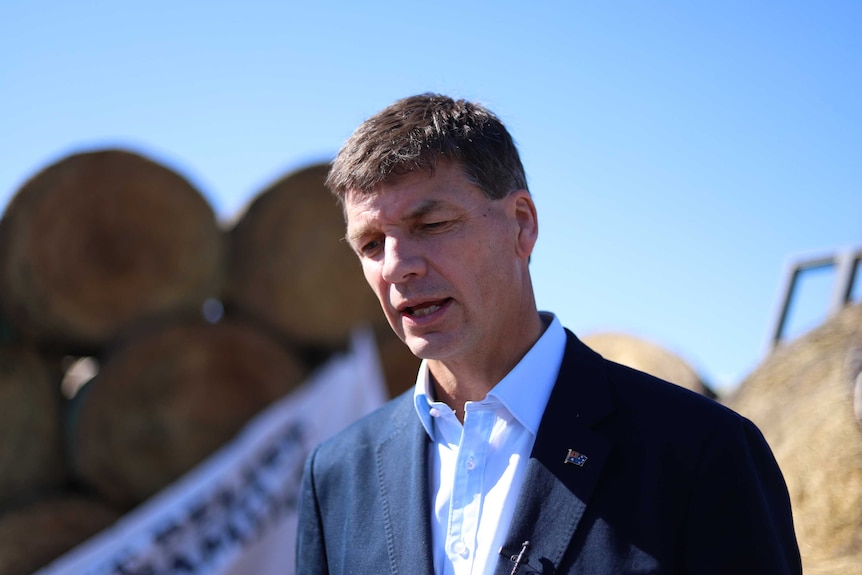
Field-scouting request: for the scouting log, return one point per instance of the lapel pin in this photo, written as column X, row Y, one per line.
column 575, row 458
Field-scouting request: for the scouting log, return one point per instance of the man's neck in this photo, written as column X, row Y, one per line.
column 457, row 382
column 456, row 392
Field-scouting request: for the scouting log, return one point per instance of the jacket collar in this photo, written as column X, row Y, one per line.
column 558, row 484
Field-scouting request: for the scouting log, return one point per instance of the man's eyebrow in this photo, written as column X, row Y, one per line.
column 421, row 210
column 353, row 237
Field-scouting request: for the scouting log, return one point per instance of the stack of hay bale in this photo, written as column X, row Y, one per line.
column 193, row 328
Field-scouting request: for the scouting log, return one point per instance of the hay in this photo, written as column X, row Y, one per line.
column 34, row 535
column 801, row 398
column 31, row 457
column 647, row 356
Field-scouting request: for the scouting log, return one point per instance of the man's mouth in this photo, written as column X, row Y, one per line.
column 424, row 309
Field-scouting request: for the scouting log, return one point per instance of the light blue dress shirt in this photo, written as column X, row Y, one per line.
column 477, row 469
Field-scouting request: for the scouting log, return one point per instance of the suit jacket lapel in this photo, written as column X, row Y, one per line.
column 555, row 491
column 402, row 464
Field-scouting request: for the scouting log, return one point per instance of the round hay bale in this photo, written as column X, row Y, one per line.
column 31, row 457
column 168, row 398
column 801, row 398
column 34, row 535
column 100, row 239
column 648, row 357
column 290, row 267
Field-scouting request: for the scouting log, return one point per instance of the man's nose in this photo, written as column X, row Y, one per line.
column 401, row 260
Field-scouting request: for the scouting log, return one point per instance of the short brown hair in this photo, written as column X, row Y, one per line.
column 413, row 133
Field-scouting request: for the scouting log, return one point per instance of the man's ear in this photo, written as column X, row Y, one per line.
column 527, row 222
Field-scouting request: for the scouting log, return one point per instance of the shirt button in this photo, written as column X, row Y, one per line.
column 460, row 548
column 470, row 464
column 434, row 412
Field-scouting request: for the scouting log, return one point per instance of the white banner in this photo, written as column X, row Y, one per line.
column 235, row 513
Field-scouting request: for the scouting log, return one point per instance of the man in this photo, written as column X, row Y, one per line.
column 519, row 450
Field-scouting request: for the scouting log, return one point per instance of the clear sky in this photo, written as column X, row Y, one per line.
column 681, row 154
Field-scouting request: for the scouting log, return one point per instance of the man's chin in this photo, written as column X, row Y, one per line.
column 419, row 348
column 428, row 347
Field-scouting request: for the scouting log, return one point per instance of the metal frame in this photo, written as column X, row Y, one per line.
column 846, row 263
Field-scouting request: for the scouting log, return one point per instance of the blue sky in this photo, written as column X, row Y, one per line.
column 681, row 154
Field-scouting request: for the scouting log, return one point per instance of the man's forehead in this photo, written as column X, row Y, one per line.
column 368, row 210
column 438, row 170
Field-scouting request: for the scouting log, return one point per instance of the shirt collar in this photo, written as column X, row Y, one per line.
column 524, row 391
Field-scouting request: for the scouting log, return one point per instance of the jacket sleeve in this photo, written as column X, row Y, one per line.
column 739, row 518
column 310, row 544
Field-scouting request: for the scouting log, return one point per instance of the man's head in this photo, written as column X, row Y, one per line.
column 414, row 133
column 438, row 213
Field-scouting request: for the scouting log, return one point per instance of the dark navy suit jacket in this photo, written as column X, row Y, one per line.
column 672, row 482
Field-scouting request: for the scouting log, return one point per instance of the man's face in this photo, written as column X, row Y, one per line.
column 448, row 264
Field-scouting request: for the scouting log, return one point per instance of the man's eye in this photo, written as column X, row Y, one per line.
column 433, row 225
column 368, row 248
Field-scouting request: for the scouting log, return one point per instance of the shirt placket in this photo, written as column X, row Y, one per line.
column 466, row 504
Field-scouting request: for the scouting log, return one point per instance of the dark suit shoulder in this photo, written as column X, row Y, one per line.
column 652, row 403
column 654, row 397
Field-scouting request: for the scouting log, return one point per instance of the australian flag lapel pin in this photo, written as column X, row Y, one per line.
column 575, row 458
